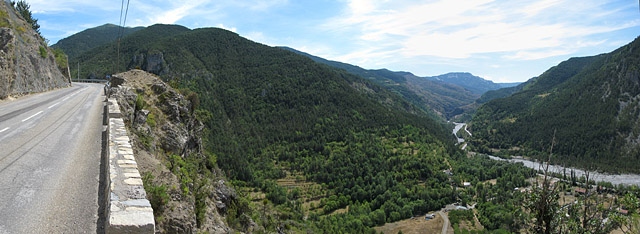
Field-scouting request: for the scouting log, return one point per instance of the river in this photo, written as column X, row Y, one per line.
column 625, row 179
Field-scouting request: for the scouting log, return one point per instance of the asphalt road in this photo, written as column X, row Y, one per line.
column 50, row 147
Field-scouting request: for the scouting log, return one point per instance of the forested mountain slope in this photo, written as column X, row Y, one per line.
column 447, row 100
column 101, row 60
column 501, row 93
column 79, row 43
column 590, row 103
column 269, row 113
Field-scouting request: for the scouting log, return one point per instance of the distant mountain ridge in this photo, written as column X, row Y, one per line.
column 591, row 105
column 475, row 84
column 88, row 39
column 445, row 99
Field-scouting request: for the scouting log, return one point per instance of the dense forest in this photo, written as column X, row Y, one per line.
column 589, row 103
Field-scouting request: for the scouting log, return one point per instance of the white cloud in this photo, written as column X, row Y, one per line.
column 260, row 5
column 172, row 13
column 48, row 6
column 233, row 29
column 458, row 29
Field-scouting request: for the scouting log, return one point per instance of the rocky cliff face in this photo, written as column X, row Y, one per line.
column 27, row 65
column 189, row 195
column 152, row 62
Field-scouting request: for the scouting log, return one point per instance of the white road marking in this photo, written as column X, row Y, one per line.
column 5, row 129
column 53, row 105
column 73, row 94
column 34, row 115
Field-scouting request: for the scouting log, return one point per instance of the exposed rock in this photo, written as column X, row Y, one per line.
column 23, row 67
column 152, row 62
column 173, row 130
column 224, row 194
column 155, row 64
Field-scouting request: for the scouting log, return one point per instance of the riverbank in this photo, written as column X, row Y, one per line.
column 615, row 179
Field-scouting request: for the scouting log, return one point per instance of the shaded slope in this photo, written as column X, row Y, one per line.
column 591, row 103
column 436, row 98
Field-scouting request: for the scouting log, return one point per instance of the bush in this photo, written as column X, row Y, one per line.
column 151, row 120
column 140, row 103
column 43, row 52
column 61, row 58
column 157, row 195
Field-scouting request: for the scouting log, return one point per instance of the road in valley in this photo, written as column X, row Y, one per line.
column 50, row 146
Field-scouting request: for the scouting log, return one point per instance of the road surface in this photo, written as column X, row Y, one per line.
column 445, row 225
column 50, row 146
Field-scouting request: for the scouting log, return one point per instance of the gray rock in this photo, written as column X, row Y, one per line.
column 224, row 193
column 155, row 64
column 141, row 117
column 159, row 88
column 23, row 69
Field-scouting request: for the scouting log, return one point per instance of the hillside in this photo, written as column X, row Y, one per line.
column 590, row 103
column 91, row 38
column 99, row 61
column 506, row 91
column 446, row 100
column 475, row 84
column 27, row 65
column 270, row 114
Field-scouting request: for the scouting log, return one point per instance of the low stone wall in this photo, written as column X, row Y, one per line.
column 128, row 210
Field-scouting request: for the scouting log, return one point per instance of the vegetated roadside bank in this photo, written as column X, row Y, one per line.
column 27, row 64
column 187, row 191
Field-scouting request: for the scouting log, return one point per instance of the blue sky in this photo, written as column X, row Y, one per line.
column 504, row 41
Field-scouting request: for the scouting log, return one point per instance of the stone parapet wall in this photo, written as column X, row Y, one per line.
column 128, row 210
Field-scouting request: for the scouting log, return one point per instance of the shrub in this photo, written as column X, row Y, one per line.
column 157, row 195
column 43, row 52
column 61, row 58
column 140, row 103
column 151, row 120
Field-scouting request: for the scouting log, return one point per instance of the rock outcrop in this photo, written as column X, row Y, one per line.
column 27, row 65
column 166, row 141
column 152, row 62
